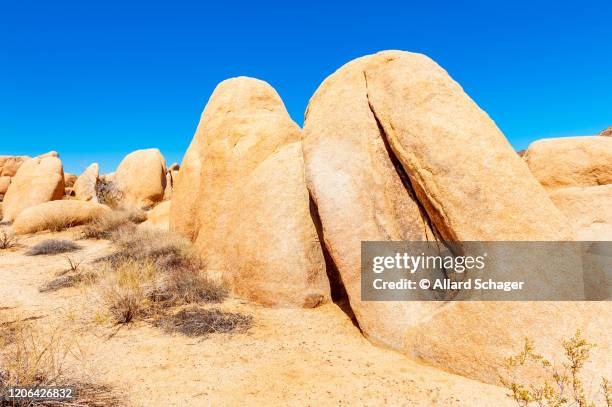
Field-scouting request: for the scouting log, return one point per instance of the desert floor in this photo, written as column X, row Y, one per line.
column 300, row 357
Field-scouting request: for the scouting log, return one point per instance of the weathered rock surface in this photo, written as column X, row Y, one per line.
column 436, row 130
column 242, row 197
column 358, row 192
column 159, row 216
column 85, row 185
column 10, row 164
column 38, row 180
column 589, row 209
column 433, row 131
column 141, row 177
column 571, row 161
column 5, row 181
column 49, row 215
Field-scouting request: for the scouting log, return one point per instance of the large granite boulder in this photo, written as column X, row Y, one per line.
column 462, row 178
column 242, row 197
column 571, row 161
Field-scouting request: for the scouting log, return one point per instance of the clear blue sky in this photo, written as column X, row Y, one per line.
column 95, row 80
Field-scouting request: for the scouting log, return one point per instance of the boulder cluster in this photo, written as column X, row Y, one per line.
column 39, row 195
column 392, row 149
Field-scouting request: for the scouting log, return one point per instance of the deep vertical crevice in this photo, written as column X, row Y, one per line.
column 338, row 290
column 401, row 172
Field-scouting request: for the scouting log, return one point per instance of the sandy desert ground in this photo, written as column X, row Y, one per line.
column 288, row 357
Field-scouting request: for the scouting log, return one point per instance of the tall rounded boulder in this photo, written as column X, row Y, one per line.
column 141, row 178
column 241, row 196
column 38, row 180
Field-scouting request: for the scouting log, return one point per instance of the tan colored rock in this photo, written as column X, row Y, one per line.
column 57, row 215
column 159, row 216
column 607, row 132
column 10, row 164
column 571, row 161
column 4, row 184
column 69, row 179
column 241, row 195
column 358, row 192
column 586, row 208
column 85, row 185
column 38, row 180
column 141, row 177
column 174, row 167
column 49, row 154
column 169, row 187
column 436, row 131
column 464, row 174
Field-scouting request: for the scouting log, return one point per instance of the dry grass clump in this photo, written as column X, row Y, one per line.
column 55, row 224
column 7, row 239
column 197, row 321
column 30, row 356
column 561, row 386
column 150, row 272
column 70, row 277
column 107, row 224
column 53, row 246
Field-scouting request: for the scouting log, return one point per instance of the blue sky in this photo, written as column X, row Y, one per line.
column 95, row 80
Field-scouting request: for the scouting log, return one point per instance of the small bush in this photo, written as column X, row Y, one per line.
column 196, row 321
column 69, row 277
column 559, row 387
column 53, row 246
column 126, row 290
column 108, row 193
column 34, row 357
column 152, row 271
column 7, row 239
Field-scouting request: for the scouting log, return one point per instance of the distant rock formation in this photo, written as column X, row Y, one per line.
column 607, row 132
column 141, row 178
column 38, row 180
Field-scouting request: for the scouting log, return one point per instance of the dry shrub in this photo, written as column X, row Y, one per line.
column 126, row 290
column 53, row 246
column 47, row 357
column 70, row 277
column 151, row 271
column 561, row 386
column 7, row 239
column 197, row 321
column 107, row 224
column 108, row 193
